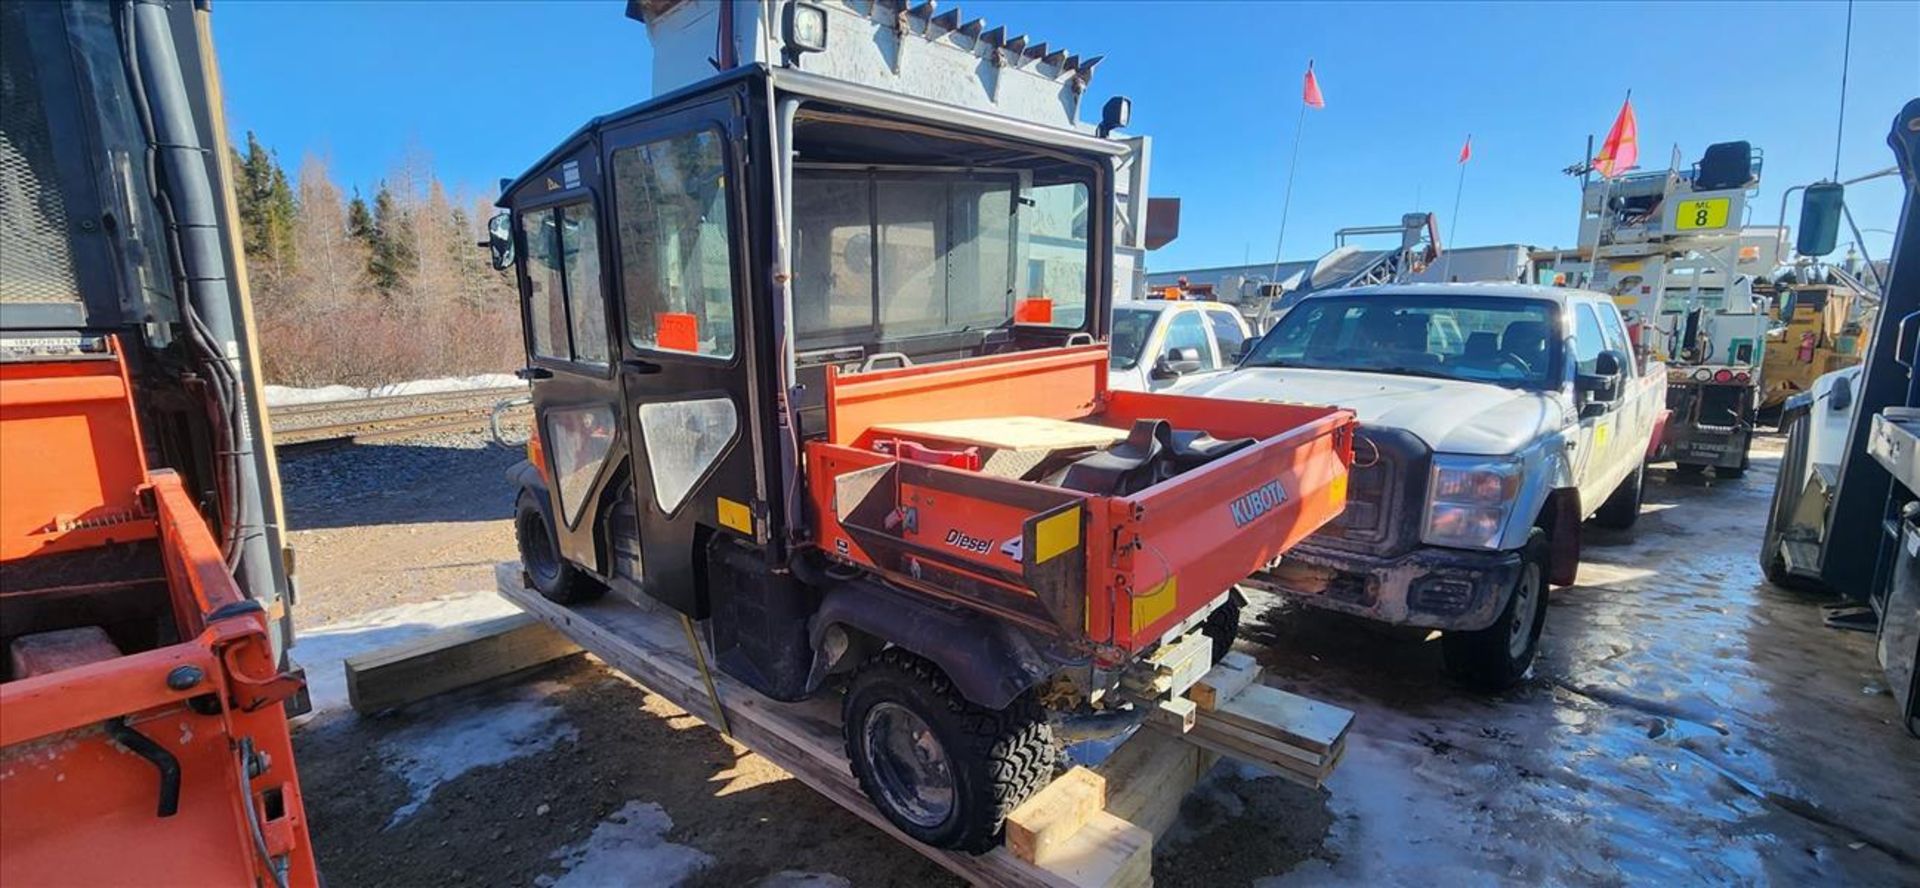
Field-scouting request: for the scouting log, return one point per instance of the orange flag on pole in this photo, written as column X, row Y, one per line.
column 1621, row 150
column 1310, row 93
column 1466, row 150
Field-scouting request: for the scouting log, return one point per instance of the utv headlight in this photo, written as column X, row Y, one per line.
column 1469, row 500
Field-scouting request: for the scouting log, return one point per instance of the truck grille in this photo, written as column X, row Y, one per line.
column 1386, row 493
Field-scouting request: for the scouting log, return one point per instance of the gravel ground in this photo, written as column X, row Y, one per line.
column 375, row 525
column 299, row 416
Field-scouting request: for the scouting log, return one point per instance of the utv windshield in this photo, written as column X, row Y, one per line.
column 1509, row 342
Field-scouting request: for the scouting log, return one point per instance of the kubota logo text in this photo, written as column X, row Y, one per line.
column 1262, row 500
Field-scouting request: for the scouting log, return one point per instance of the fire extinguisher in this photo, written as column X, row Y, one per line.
column 1806, row 348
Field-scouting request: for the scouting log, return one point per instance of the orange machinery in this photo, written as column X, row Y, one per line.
column 928, row 475
column 142, row 735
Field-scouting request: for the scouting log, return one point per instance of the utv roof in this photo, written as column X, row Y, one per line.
column 801, row 84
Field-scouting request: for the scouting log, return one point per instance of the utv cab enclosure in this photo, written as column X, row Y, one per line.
column 816, row 354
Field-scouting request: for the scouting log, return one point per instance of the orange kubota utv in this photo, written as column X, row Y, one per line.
column 821, row 366
column 144, row 695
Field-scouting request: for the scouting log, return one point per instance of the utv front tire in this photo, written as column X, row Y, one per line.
column 1497, row 657
column 551, row 574
column 1223, row 624
column 944, row 770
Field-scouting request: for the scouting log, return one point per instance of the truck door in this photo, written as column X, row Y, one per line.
column 1592, row 454
column 674, row 184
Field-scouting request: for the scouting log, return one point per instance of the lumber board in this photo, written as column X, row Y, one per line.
column 1107, row 852
column 801, row 738
column 1011, row 432
column 1150, row 775
column 1295, row 720
column 1042, row 824
column 452, row 658
column 1235, row 673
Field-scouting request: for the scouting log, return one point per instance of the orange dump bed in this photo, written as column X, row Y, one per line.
column 927, row 475
column 143, row 739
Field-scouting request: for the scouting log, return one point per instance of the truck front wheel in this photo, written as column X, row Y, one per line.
column 944, row 770
column 1622, row 509
column 1498, row 656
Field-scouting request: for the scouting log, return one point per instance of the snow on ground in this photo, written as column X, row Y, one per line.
column 431, row 752
column 287, row 396
column 630, row 848
column 323, row 651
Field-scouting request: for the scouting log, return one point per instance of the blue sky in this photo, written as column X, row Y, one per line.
column 487, row 87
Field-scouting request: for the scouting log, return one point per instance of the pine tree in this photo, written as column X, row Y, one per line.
column 393, row 259
column 359, row 219
column 266, row 206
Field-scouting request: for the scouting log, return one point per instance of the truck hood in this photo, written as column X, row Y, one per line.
column 1451, row 416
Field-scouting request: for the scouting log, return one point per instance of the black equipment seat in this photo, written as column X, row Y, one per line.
column 1724, row 165
column 1153, row 452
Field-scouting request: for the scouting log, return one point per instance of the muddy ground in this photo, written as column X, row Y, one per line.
column 1686, row 722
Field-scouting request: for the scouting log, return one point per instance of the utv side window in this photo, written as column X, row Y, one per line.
column 675, row 263
column 566, row 314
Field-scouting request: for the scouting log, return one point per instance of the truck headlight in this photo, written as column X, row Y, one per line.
column 1469, row 500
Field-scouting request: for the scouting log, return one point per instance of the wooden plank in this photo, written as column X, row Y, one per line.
column 1177, row 714
column 1212, row 742
column 1150, row 775
column 1011, row 432
column 1235, row 673
column 1043, row 823
column 452, row 658
column 1186, row 660
column 801, row 738
column 1290, row 718
column 1107, row 852
column 1255, row 740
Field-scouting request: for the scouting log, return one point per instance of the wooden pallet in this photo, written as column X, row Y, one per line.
column 1094, row 826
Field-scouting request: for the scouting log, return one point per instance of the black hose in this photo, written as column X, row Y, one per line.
column 162, row 760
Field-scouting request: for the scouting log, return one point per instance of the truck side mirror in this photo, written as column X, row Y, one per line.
column 1602, row 386
column 500, row 241
column 1840, row 397
column 1245, row 349
column 1820, row 209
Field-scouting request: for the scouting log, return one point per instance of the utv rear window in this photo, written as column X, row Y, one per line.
column 676, row 271
column 566, row 315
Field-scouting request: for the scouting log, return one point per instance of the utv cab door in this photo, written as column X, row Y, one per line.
column 688, row 339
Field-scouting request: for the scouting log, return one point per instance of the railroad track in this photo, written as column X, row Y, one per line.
column 302, row 433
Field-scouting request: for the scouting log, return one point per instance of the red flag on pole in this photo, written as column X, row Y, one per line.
column 1466, row 150
column 1310, row 93
column 1621, row 150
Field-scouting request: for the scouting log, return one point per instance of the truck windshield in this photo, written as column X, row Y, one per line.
column 1130, row 328
column 1504, row 341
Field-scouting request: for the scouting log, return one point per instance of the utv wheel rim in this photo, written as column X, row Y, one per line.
column 536, row 551
column 1526, row 604
column 908, row 764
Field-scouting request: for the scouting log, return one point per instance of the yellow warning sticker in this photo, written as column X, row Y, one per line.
column 1601, row 433
column 1155, row 603
column 1337, row 491
column 735, row 515
column 1056, row 534
column 1709, row 213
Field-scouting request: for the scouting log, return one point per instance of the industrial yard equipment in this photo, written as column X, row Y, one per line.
column 1671, row 247
column 816, row 361
column 143, row 587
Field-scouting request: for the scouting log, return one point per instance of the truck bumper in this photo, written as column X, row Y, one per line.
column 1438, row 588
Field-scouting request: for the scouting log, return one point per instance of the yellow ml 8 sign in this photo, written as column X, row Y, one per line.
column 1693, row 214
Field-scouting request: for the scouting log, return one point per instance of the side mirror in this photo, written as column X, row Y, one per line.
column 1840, row 397
column 1602, row 386
column 1181, row 361
column 1246, row 348
column 1116, row 114
column 1820, row 209
column 500, row 241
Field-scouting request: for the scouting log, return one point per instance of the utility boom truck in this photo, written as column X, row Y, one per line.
column 1671, row 247
column 816, row 344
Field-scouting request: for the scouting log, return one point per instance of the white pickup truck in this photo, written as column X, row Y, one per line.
column 1494, row 420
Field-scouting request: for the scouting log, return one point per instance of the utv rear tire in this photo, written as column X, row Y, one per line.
column 1497, row 657
column 944, row 770
column 551, row 574
column 1223, row 625
column 1622, row 509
